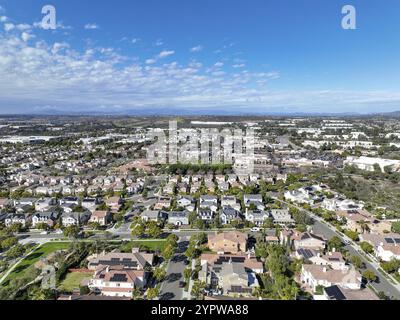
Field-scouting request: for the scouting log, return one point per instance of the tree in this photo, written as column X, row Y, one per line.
column 198, row 289
column 72, row 231
column 168, row 252
column 152, row 293
column 396, row 227
column 192, row 252
column 8, row 242
column 187, row 273
column 369, row 275
column 154, row 230
column 353, row 235
column 138, row 230
column 335, row 243
column 382, row 295
column 159, row 274
column 16, row 227
column 367, row 247
column 357, row 262
column 199, row 224
column 172, row 240
column 16, row 251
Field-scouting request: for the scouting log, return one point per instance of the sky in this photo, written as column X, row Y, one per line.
column 202, row 56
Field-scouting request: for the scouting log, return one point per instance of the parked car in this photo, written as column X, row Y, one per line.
column 182, row 284
column 255, row 229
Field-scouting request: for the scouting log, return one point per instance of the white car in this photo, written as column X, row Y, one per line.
column 255, row 229
column 44, row 232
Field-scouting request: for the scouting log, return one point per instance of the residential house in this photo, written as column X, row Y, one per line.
column 258, row 217
column 281, row 217
column 49, row 218
column 134, row 260
column 228, row 242
column 339, row 293
column 69, row 200
column 205, row 214
column 153, row 215
column 386, row 247
column 44, row 204
column 255, row 199
column 302, row 240
column 163, row 203
column 101, row 217
column 356, row 220
column 114, row 203
column 116, row 283
column 316, row 275
column 178, row 218
column 229, row 214
column 333, row 259
column 4, row 202
column 75, row 218
column 232, row 274
column 230, row 201
column 14, row 218
column 90, row 203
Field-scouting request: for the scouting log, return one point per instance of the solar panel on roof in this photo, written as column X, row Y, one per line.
column 306, row 253
column 389, row 240
column 119, row 277
column 397, row 240
column 334, row 293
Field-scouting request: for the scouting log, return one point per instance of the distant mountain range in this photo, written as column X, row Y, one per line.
column 168, row 111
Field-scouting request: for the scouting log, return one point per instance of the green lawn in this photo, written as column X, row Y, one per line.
column 73, row 280
column 145, row 244
column 26, row 265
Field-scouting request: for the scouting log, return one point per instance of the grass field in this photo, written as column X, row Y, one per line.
column 145, row 244
column 26, row 265
column 72, row 281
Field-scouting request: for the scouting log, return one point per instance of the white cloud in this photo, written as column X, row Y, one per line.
column 196, row 49
column 165, row 53
column 159, row 43
column 91, row 26
column 3, row 18
column 23, row 26
column 135, row 40
column 51, row 74
column 26, row 36
column 9, row 26
column 239, row 65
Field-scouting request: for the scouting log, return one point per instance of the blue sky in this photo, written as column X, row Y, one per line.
column 254, row 55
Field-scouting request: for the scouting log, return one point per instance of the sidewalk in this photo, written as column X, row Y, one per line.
column 187, row 294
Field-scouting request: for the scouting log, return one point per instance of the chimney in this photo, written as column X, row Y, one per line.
column 333, row 249
column 324, row 269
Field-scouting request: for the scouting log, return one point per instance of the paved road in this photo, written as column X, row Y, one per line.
column 170, row 287
column 323, row 228
column 383, row 284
